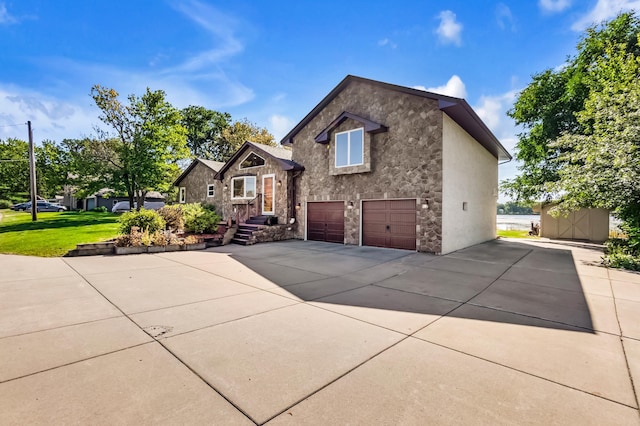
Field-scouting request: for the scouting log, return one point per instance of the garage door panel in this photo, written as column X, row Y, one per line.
column 389, row 223
column 325, row 221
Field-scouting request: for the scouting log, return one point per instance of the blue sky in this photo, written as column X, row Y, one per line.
column 272, row 62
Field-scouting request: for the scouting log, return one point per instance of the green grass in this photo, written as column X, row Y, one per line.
column 514, row 234
column 53, row 234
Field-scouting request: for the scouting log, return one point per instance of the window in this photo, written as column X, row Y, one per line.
column 252, row 160
column 183, row 195
column 350, row 148
column 243, row 187
column 211, row 191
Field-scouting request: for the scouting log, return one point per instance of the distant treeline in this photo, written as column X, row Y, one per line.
column 511, row 207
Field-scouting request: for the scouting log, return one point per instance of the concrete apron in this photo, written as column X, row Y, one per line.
column 316, row 333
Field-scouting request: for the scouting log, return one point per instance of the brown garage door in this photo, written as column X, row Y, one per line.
column 389, row 223
column 325, row 221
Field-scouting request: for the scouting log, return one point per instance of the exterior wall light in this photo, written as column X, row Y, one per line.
column 298, row 206
column 279, row 183
column 226, row 186
column 350, row 205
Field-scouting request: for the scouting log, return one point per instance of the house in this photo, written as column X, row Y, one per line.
column 197, row 183
column 257, row 181
column 372, row 164
column 108, row 198
column 393, row 166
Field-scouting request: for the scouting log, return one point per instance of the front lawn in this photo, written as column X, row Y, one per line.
column 514, row 233
column 53, row 234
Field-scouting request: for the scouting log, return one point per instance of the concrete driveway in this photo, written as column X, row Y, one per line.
column 315, row 333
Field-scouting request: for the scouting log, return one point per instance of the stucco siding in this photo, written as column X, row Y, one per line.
column 470, row 180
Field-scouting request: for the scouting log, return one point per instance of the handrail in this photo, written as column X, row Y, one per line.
column 249, row 203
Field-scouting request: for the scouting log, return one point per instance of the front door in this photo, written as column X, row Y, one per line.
column 268, row 184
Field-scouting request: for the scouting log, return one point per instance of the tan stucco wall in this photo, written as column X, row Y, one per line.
column 583, row 224
column 470, row 174
column 196, row 186
column 404, row 162
column 281, row 202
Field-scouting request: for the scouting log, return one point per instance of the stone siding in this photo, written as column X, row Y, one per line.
column 273, row 233
column 233, row 207
column 195, row 184
column 405, row 162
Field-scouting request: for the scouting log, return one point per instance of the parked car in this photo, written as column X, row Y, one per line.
column 42, row 206
column 123, row 206
column 19, row 206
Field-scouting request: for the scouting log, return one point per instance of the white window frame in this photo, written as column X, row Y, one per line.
column 244, row 191
column 182, row 196
column 211, row 190
column 252, row 167
column 349, row 164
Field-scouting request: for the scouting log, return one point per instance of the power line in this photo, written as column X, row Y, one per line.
column 8, row 161
column 12, row 125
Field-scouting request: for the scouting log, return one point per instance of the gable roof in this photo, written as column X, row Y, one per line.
column 281, row 155
column 456, row 108
column 369, row 126
column 213, row 165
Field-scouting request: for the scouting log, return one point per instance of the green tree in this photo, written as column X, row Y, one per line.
column 601, row 165
column 205, row 132
column 145, row 148
column 14, row 169
column 240, row 132
column 547, row 108
column 52, row 168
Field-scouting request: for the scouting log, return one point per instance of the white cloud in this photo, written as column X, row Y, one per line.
column 449, row 30
column 554, row 6
column 504, row 17
column 492, row 109
column 387, row 42
column 454, row 87
column 66, row 111
column 279, row 126
column 51, row 118
column 604, row 10
column 5, row 17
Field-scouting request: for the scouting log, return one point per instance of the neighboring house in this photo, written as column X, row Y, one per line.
column 583, row 224
column 393, row 166
column 257, row 181
column 107, row 198
column 197, row 183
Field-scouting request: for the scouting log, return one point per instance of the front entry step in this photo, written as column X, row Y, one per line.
column 245, row 232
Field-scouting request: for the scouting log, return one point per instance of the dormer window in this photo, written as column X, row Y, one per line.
column 252, row 160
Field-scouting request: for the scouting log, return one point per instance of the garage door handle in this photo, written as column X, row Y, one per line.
column 388, row 228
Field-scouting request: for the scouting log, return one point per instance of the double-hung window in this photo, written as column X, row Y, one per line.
column 243, row 187
column 350, row 148
column 183, row 195
column 211, row 192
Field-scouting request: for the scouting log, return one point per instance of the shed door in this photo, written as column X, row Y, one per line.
column 325, row 221
column 389, row 223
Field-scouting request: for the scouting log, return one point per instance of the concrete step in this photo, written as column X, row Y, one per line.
column 241, row 241
column 90, row 252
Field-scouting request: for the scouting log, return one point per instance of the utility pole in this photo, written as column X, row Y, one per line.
column 32, row 176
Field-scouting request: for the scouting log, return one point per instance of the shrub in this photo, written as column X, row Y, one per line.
column 200, row 219
column 100, row 209
column 5, row 204
column 623, row 253
column 147, row 220
column 172, row 216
